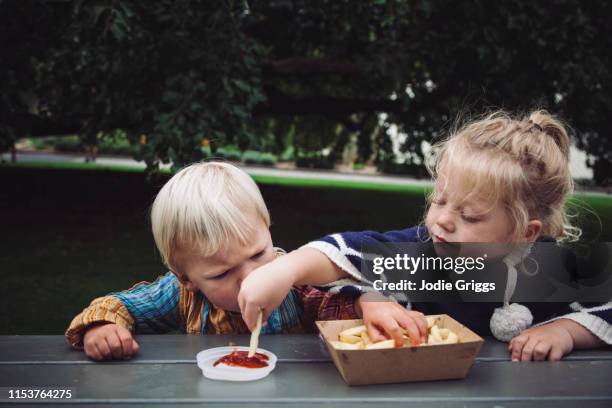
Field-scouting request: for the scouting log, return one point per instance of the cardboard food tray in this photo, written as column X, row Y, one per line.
column 421, row 363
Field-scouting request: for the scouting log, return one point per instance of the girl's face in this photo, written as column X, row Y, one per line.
column 468, row 221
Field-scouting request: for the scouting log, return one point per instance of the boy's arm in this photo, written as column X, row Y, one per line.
column 146, row 307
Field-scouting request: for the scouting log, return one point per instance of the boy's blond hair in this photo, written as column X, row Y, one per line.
column 519, row 162
column 203, row 206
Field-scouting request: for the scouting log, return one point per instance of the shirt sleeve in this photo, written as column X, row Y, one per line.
column 147, row 307
column 320, row 305
column 595, row 318
column 346, row 250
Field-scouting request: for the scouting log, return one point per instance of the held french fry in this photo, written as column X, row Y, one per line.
column 365, row 338
column 255, row 335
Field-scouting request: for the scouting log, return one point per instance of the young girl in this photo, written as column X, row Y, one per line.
column 497, row 180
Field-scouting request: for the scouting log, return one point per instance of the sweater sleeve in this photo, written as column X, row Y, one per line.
column 595, row 318
column 346, row 250
column 144, row 308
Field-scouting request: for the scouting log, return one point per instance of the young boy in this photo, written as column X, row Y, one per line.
column 211, row 226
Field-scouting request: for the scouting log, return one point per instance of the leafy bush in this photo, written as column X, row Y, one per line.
column 314, row 161
column 268, row 159
column 41, row 143
column 408, row 169
column 287, row 154
column 251, row 157
column 229, row 152
column 119, row 146
column 68, row 144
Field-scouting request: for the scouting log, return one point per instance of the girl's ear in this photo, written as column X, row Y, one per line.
column 534, row 227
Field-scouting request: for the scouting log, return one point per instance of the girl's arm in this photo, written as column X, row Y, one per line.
column 328, row 262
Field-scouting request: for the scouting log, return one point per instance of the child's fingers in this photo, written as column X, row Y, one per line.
column 527, row 354
column 135, row 346
column 375, row 334
column 96, row 354
column 556, row 354
column 125, row 340
column 517, row 346
column 103, row 348
column 394, row 331
column 541, row 350
column 410, row 325
column 91, row 351
column 421, row 323
column 114, row 345
column 249, row 315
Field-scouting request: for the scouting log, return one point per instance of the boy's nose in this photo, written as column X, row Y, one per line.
column 245, row 270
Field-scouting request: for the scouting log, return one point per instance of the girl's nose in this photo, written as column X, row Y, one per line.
column 445, row 220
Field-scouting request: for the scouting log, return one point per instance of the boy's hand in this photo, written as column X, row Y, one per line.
column 550, row 341
column 109, row 341
column 387, row 319
column 264, row 289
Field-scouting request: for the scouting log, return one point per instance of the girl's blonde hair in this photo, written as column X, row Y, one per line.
column 204, row 206
column 519, row 162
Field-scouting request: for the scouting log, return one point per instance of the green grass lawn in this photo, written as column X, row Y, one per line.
column 69, row 235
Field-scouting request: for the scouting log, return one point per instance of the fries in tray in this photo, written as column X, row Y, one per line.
column 356, row 338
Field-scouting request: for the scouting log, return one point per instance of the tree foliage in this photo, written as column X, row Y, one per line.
column 322, row 71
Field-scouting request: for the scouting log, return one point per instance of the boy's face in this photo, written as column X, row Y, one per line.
column 219, row 276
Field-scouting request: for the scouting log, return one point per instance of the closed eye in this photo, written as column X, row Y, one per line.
column 221, row 275
column 471, row 220
column 259, row 254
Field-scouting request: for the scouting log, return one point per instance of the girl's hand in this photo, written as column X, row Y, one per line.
column 547, row 342
column 387, row 319
column 264, row 289
column 109, row 341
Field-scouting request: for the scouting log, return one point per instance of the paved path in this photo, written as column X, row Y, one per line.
column 331, row 175
column 252, row 170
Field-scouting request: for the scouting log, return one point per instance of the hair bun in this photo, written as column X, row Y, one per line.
column 553, row 127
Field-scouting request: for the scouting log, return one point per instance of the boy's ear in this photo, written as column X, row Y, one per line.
column 534, row 227
column 185, row 281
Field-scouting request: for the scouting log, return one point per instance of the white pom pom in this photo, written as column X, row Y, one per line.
column 509, row 321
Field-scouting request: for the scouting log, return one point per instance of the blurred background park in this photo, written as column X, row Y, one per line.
column 332, row 106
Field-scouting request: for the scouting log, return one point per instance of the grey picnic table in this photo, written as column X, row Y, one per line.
column 165, row 374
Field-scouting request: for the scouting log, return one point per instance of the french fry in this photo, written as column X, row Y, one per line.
column 354, row 331
column 345, row 346
column 255, row 335
column 451, row 339
column 365, row 338
column 385, row 344
column 435, row 334
column 348, row 338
